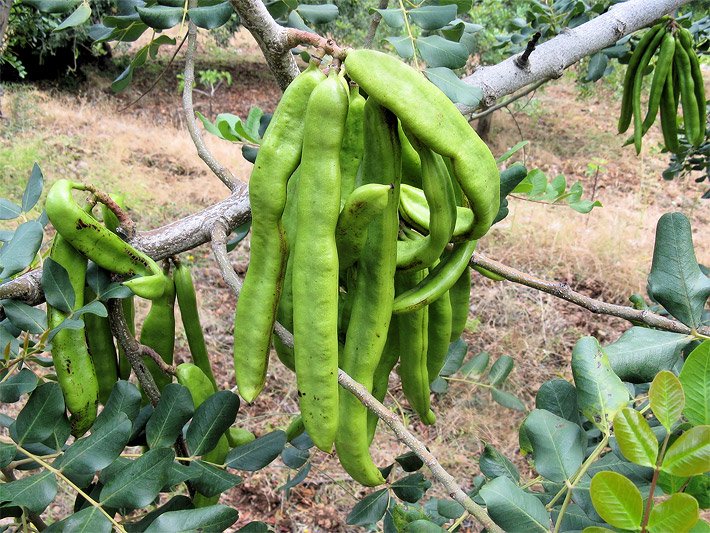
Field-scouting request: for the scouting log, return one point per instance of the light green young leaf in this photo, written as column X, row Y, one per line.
column 689, row 455
column 695, row 378
column 677, row 513
column 430, row 17
column 635, row 438
column 617, row 500
column 438, row 52
column 453, row 87
column 600, row 392
column 667, row 398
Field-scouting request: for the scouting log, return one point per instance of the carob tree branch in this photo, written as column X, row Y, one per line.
column 271, row 37
column 551, row 58
column 133, row 349
column 565, row 292
column 507, row 101
column 376, row 19
column 224, row 175
column 419, row 449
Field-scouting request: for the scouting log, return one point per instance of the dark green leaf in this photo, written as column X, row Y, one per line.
column 494, row 464
column 124, row 398
column 238, row 234
column 402, row 45
column 393, row 17
column 439, row 386
column 666, row 398
column 57, row 287
column 293, row 457
column 9, row 210
column 15, row 386
column 298, row 478
column 438, row 52
column 137, row 484
column 695, row 378
column 433, row 17
column 39, row 415
column 51, row 6
column 98, row 450
column 211, row 420
column 452, row 86
column 409, row 461
column 699, row 488
column 676, row 281
column 176, row 503
column 558, row 445
column 34, row 493
column 173, row 411
column 600, row 392
column 19, row 253
column 689, row 455
column 513, row 509
column 258, row 453
column 33, row 190
column 641, row 353
column 370, row 509
column 67, row 323
column 89, row 520
column 209, row 480
column 635, row 438
column 475, row 366
column 7, row 453
column 210, row 17
column 318, row 13
column 59, row 435
column 449, row 509
column 254, row 527
column 508, row 400
column 411, row 488
column 617, row 500
column 177, row 473
column 560, row 398
column 423, row 526
column 95, row 308
column 97, row 278
column 25, row 317
column 500, row 370
column 80, row 15
column 212, row 518
column 115, row 290
column 597, row 65
column 160, row 17
column 454, row 358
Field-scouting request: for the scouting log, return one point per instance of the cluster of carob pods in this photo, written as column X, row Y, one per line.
column 677, row 78
column 86, row 361
column 366, row 209
column 368, row 194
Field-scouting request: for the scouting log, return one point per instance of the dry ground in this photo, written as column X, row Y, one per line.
column 145, row 152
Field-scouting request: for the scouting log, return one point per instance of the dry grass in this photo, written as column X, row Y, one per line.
column 605, row 254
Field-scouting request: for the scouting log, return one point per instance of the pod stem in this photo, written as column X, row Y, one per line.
column 329, row 46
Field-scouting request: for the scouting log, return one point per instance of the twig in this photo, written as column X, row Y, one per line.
column 403, row 434
column 522, row 61
column 215, row 166
column 329, row 46
column 565, row 292
column 219, row 249
column 132, row 348
column 162, row 365
column 160, row 76
column 507, row 102
column 376, row 18
column 128, row 227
